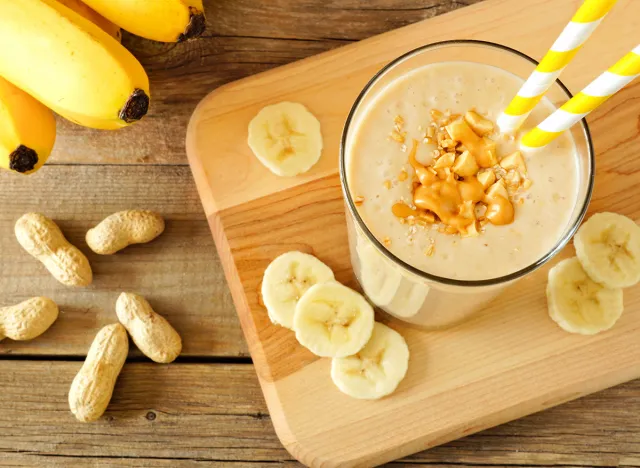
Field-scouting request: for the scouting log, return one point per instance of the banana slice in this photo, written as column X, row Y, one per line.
column 286, row 138
column 332, row 320
column 608, row 246
column 577, row 303
column 380, row 280
column 377, row 369
column 286, row 279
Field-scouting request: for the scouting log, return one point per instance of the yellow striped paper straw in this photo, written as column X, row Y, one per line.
column 598, row 91
column 583, row 23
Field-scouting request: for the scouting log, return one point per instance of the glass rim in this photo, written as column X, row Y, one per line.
column 564, row 240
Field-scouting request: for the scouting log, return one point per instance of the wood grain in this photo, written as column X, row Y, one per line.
column 513, row 350
column 20, row 461
column 179, row 272
column 328, row 85
column 220, row 419
column 243, row 38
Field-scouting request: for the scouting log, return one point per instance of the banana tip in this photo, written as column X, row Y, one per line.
column 136, row 106
column 195, row 28
column 23, row 159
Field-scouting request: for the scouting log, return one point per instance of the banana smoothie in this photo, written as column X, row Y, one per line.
column 441, row 189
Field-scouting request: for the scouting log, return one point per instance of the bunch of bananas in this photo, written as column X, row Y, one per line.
column 65, row 56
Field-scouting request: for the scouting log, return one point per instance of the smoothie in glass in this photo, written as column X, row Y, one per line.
column 443, row 211
column 380, row 174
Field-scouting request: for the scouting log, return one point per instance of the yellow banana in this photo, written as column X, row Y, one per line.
column 84, row 10
column 27, row 130
column 70, row 64
column 159, row 20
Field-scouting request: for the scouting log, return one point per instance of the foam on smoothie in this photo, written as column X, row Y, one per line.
column 377, row 163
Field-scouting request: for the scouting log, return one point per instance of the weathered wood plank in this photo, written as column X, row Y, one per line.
column 243, row 38
column 29, row 461
column 20, row 461
column 317, row 20
column 198, row 411
column 179, row 272
column 168, row 415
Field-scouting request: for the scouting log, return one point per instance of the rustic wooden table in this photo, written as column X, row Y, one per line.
column 207, row 408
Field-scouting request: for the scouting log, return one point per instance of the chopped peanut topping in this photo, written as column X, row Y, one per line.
column 359, row 200
column 387, row 184
column 465, row 186
column 471, row 230
column 386, row 241
column 498, row 188
column 486, row 177
column 479, row 124
column 478, row 147
column 514, row 161
column 429, row 250
column 513, row 180
column 397, row 136
column 451, row 118
column 465, row 165
column 480, row 211
column 446, row 160
column 491, row 156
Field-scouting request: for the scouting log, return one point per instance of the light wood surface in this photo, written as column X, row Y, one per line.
column 220, row 419
column 511, row 361
column 329, row 83
column 193, row 398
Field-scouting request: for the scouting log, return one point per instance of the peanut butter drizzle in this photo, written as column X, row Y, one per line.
column 450, row 199
column 452, row 191
column 499, row 211
column 412, row 156
column 400, row 210
column 481, row 149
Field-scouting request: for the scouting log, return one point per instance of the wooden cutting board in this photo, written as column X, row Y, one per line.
column 511, row 360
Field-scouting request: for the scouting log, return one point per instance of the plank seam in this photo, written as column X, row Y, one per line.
column 295, row 39
column 65, row 164
column 133, row 359
column 129, row 457
column 456, row 5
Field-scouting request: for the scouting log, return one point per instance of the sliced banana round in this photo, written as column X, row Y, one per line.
column 286, row 138
column 332, row 320
column 608, row 246
column 377, row 369
column 286, row 279
column 577, row 303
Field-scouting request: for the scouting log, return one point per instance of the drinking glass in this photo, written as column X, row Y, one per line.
column 401, row 290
